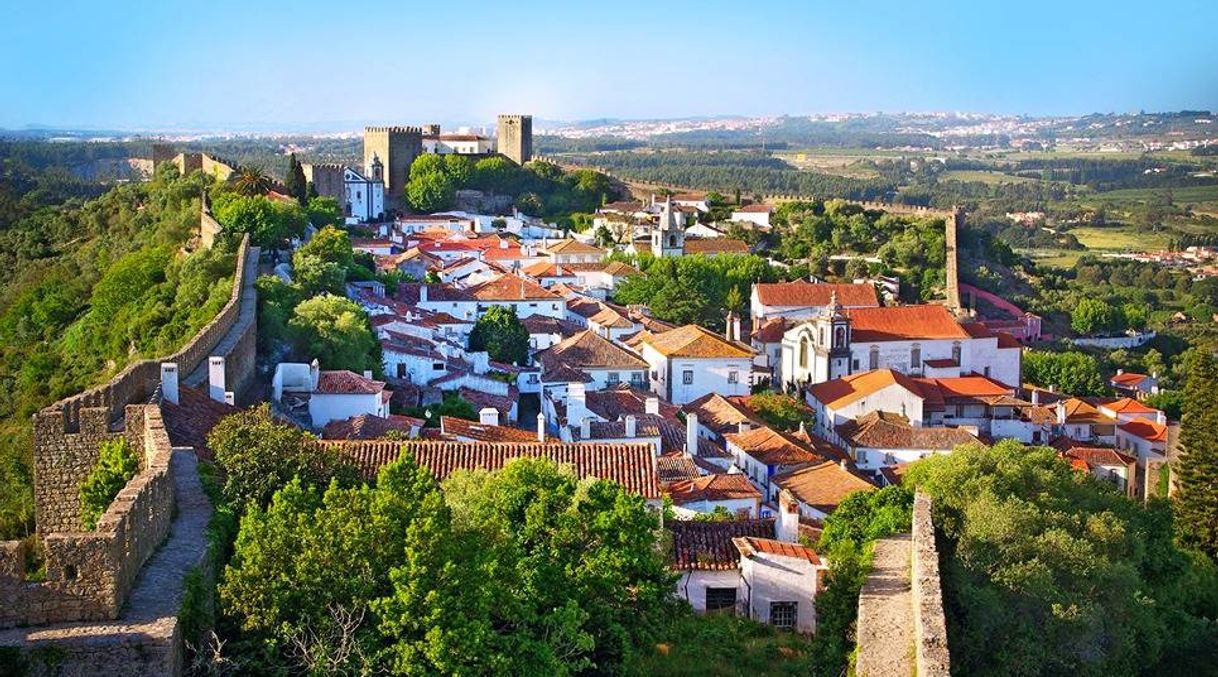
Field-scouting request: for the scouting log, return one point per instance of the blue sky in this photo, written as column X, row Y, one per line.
column 218, row 64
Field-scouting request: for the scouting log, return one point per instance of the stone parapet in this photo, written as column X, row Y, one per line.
column 930, row 624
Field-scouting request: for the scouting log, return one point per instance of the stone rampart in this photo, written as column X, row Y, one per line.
column 930, row 625
column 137, row 381
column 90, row 573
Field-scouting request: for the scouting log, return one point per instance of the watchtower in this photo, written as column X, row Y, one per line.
column 515, row 137
column 396, row 147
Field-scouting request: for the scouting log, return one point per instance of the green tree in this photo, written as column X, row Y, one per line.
column 335, row 331
column 276, row 302
column 324, row 211
column 431, row 192
column 496, row 174
column 452, row 404
column 1072, row 372
column 460, row 169
column 332, row 245
column 1170, row 402
column 294, row 181
column 249, row 181
column 781, row 411
column 1197, row 466
column 270, row 223
column 499, row 332
column 1093, row 316
column 117, row 463
column 258, row 455
column 425, row 165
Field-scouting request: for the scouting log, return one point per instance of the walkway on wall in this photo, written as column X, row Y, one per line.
column 247, row 314
column 145, row 637
column 886, row 622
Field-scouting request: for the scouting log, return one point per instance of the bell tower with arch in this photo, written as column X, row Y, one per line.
column 668, row 237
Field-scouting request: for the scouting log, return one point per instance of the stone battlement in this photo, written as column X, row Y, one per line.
column 396, row 129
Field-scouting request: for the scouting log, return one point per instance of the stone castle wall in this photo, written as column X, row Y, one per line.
column 514, row 138
column 90, row 573
column 930, row 625
column 137, row 381
column 397, row 147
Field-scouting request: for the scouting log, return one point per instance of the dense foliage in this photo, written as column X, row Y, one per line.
column 782, row 411
column 499, row 332
column 522, row 571
column 1047, row 570
column 693, row 289
column 1197, row 468
column 116, row 464
column 1074, row 373
column 335, row 331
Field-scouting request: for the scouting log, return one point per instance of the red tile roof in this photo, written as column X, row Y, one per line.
column 1126, row 405
column 721, row 414
column 453, row 427
column 614, row 403
column 190, row 420
column 770, row 330
column 884, row 430
column 848, row 389
column 751, row 546
column 695, row 341
column 585, row 351
column 715, row 245
column 675, row 467
column 822, row 486
column 343, row 382
column 771, row 447
column 511, row 288
column 903, row 323
column 630, row 465
column 1147, row 430
column 755, row 209
column 707, row 546
column 369, row 427
column 808, row 294
column 713, row 488
column 1128, row 379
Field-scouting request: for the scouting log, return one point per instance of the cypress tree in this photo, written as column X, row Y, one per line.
column 294, row 181
column 1197, row 466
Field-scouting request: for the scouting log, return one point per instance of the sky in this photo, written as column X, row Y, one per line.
column 307, row 64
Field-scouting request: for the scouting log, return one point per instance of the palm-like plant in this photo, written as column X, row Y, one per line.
column 250, row 181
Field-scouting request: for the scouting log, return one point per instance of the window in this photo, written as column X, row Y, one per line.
column 687, row 377
column 840, row 341
column 820, row 336
column 532, row 378
column 614, row 377
column 718, row 599
column 854, row 365
column 401, row 370
column 636, row 377
column 672, row 240
column 956, row 353
column 733, row 377
column 803, row 352
column 915, row 357
column 437, row 366
column 655, row 374
column 873, row 360
column 783, row 614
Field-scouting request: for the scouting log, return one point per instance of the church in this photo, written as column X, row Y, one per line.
column 920, row 340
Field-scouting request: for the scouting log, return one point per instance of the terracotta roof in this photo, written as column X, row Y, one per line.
column 675, row 467
column 451, row 426
column 614, row 403
column 755, row 209
column 689, row 197
column 822, row 486
column 608, row 317
column 573, row 246
column 884, row 430
column 1126, row 405
column 966, row 386
column 1005, row 340
column 771, row 447
column 848, row 389
column 587, row 350
column 1128, row 379
column 510, row 288
column 694, row 341
column 715, row 245
column 770, row 330
column 343, row 382
column 707, row 546
column 409, row 292
column 713, row 488
column 945, row 363
column 621, row 206
column 630, row 465
column 1147, row 430
column 1090, row 456
column 903, row 323
column 751, row 546
column 1080, row 411
column 543, row 269
column 190, row 420
column 369, row 427
column 721, row 414
column 544, row 324
column 809, row 294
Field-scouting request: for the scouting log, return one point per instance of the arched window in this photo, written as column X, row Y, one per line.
column 839, row 340
column 672, row 240
column 873, row 361
column 803, row 352
column 956, row 352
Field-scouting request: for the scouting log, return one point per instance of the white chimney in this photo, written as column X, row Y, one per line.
column 215, row 378
column 744, row 426
column 843, row 464
column 169, row 382
column 585, row 428
column 632, row 426
column 651, row 406
column 577, row 401
column 368, row 374
column 1120, row 371
column 691, row 434
column 1035, row 397
column 488, row 416
column 229, row 398
column 541, row 427
column 314, row 374
column 787, row 526
column 423, row 293
column 1061, row 413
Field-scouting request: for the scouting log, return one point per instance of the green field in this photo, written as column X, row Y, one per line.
column 986, row 177
column 1185, row 195
column 1120, row 238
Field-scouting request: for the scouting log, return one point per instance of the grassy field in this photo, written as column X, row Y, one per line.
column 1120, row 238
column 840, row 162
column 982, row 176
column 1185, row 195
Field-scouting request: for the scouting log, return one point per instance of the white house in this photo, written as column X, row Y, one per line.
column 851, row 397
column 365, row 194
column 804, row 300
column 732, row 492
column 592, row 359
column 782, row 580
column 883, row 439
column 758, row 214
column 571, row 250
column 1135, row 385
column 328, row 395
column 817, row 489
column 523, row 294
column 691, row 361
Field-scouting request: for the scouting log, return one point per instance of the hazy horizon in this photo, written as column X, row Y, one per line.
column 303, row 66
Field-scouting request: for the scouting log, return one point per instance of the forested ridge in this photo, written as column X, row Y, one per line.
column 88, row 285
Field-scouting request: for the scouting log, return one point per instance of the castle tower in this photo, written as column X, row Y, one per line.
column 396, row 147
column 952, row 272
column 667, row 238
column 515, row 140
column 162, row 153
column 832, row 344
column 431, row 130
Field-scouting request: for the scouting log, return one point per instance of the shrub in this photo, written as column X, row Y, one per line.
column 116, row 465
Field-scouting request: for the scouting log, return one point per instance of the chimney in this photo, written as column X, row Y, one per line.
column 169, row 381
column 843, row 464
column 215, row 378
column 1052, row 388
column 1061, row 413
column 541, row 428
column 691, row 434
column 423, row 293
column 651, row 406
column 229, row 398
column 577, row 401
column 787, row 526
column 1035, row 396
column 1120, row 371
column 585, row 428
column 488, row 416
column 314, row 374
column 744, row 426
column 368, row 374
column 632, row 426
column 503, row 244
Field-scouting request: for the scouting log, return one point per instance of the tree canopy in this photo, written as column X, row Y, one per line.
column 499, row 332
column 1197, row 467
column 1071, row 372
column 335, row 331
column 693, row 289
